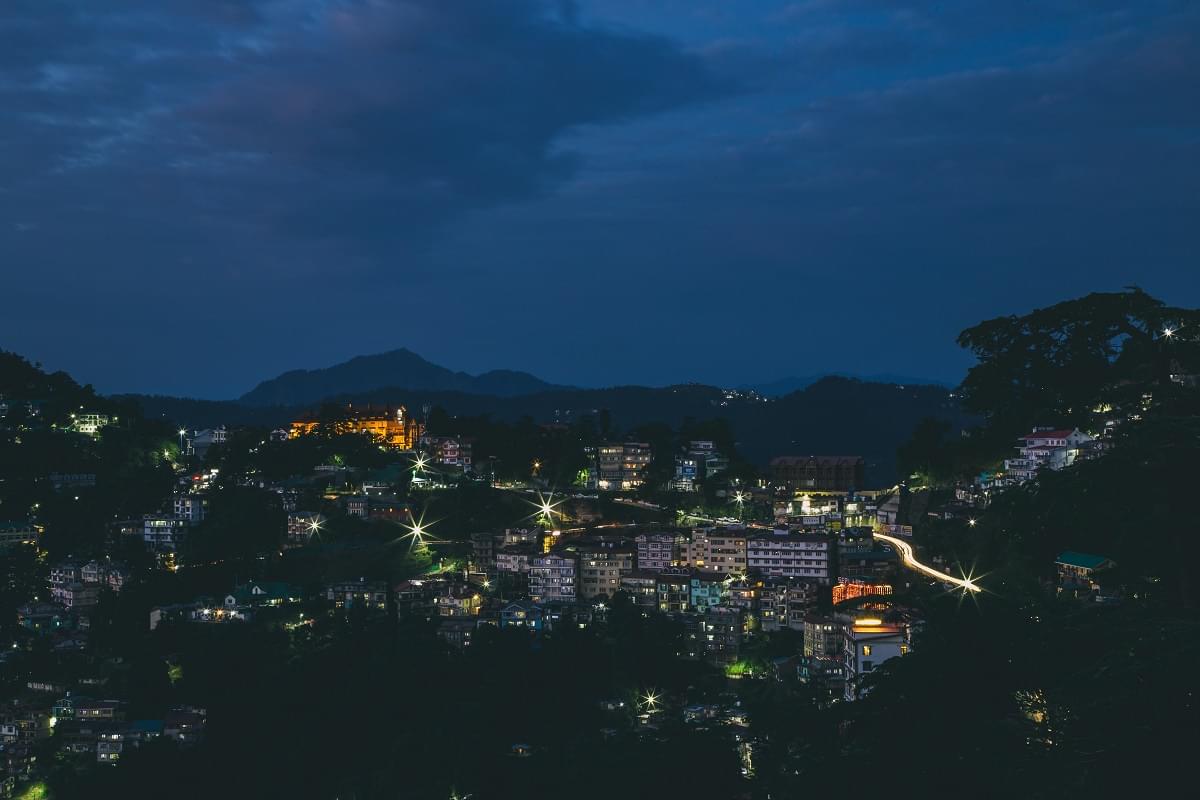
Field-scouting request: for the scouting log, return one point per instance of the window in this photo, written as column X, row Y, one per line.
column 867, row 666
column 866, row 649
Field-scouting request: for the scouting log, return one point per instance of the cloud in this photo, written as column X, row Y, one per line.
column 368, row 119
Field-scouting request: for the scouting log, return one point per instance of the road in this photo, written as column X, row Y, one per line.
column 906, row 552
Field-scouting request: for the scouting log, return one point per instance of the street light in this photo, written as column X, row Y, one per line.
column 182, row 433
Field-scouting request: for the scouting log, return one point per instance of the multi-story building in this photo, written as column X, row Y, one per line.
column 642, row 586
column 62, row 575
column 163, row 534
column 79, row 595
column 784, row 603
column 790, row 555
column 552, row 578
column 720, row 551
column 622, row 466
column 393, row 427
column 715, row 636
column 1045, row 448
column 869, row 643
column 707, row 591
column 600, row 569
column 674, row 592
column 302, row 526
column 90, row 423
column 823, row 637
column 450, row 451
column 818, row 473
column 191, row 507
column 483, row 553
column 659, row 550
column 458, row 600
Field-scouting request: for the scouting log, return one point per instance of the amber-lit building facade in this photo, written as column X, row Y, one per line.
column 391, row 426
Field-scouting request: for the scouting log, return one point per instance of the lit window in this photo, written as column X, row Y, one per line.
column 866, row 649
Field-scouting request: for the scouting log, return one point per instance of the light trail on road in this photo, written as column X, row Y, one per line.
column 906, row 552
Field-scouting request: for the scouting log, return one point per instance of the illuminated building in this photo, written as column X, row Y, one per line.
column 674, row 590
column 657, row 551
column 14, row 533
column 393, row 427
column 621, row 466
column 721, row 551
column 552, row 579
column 846, row 589
column 357, row 594
column 89, row 423
column 642, row 586
column 867, row 644
column 600, row 569
column 790, row 555
column 784, row 603
column 707, row 591
column 1045, row 448
column 449, row 451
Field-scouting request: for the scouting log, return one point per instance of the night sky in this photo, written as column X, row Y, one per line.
column 199, row 194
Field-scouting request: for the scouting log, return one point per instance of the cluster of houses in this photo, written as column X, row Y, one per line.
column 723, row 584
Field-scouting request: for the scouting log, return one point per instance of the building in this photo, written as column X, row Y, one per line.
column 450, row 451
column 163, row 534
column 552, row 579
column 199, row 442
column 790, row 555
column 15, row 533
column 720, row 551
column 192, row 508
column 90, row 423
column 393, row 427
column 622, row 466
column 301, row 526
column 483, row 553
column 849, row 589
column 657, row 551
column 869, row 643
column 687, row 473
column 521, row 614
column 361, row 593
column 674, row 590
column 715, row 636
column 823, row 638
column 642, row 586
column 1045, row 448
column 1079, row 569
column 707, row 591
column 457, row 631
column 600, row 569
column 785, row 603
column 458, row 600
column 818, row 473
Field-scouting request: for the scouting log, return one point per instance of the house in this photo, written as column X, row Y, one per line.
column 867, row 644
column 458, row 600
column 1079, row 569
column 457, row 631
column 42, row 618
column 301, row 526
column 1045, row 448
column 521, row 614
column 263, row 593
column 674, row 590
column 784, row 603
column 358, row 594
column 450, row 451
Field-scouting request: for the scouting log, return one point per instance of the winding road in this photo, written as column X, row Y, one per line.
column 906, row 552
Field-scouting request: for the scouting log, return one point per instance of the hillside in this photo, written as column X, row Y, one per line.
column 401, row 369
column 832, row 415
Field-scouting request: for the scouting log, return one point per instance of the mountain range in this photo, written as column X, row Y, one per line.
column 398, row 369
column 831, row 414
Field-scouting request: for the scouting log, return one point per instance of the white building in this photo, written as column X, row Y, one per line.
column 552, row 579
column 191, row 508
column 89, row 422
column 1045, row 448
column 869, row 643
column 162, row 533
column 791, row 555
column 657, row 551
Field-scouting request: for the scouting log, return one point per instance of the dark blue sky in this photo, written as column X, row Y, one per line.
column 198, row 194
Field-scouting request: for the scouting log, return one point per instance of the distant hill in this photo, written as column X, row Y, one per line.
column 397, row 369
column 783, row 386
column 833, row 415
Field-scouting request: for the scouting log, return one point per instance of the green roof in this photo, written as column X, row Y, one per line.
column 1085, row 560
